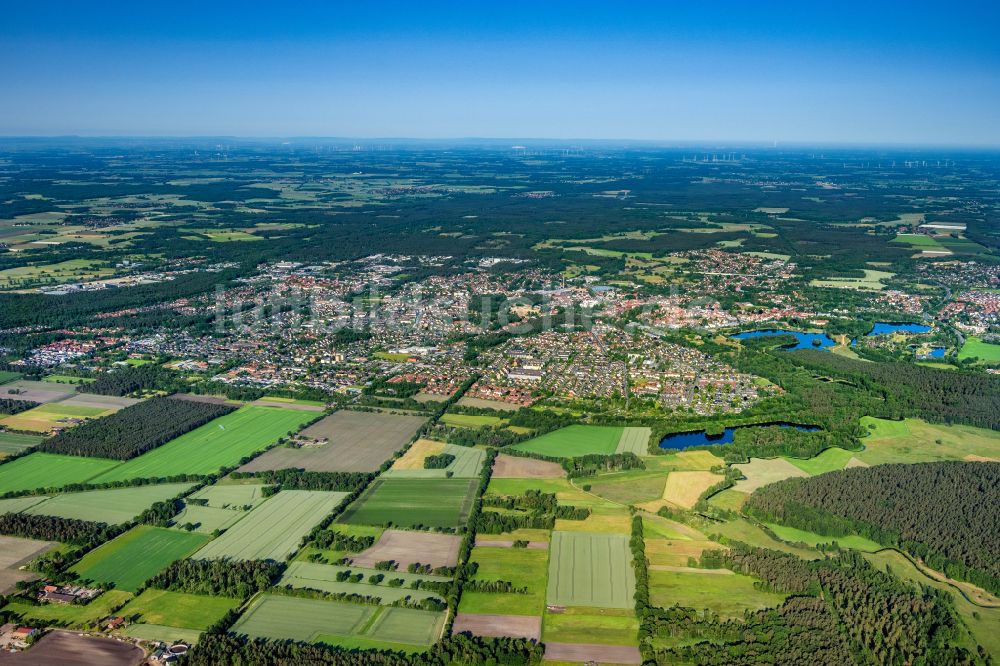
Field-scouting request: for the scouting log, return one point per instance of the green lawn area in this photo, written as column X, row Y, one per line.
column 68, row 379
column 726, row 595
column 469, row 421
column 12, row 442
column 792, row 535
column 827, row 461
column 49, row 470
column 916, row 441
column 574, row 440
column 524, row 567
column 178, row 609
column 70, row 614
column 413, row 502
column 984, row 351
column 220, row 443
column 163, row 633
column 136, row 556
column 112, row 506
column 602, row 626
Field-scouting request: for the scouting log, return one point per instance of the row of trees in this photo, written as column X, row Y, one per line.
column 82, row 533
column 136, row 429
column 299, row 479
column 238, row 579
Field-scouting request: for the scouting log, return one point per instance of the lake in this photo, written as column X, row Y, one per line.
column 805, row 340
column 685, row 440
column 884, row 328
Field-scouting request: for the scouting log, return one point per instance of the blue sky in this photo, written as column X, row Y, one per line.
column 807, row 71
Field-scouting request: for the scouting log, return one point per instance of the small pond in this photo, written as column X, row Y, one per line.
column 685, row 440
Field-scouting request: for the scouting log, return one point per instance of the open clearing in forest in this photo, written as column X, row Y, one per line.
column 829, row 460
column 49, row 470
column 515, row 467
column 760, row 472
column 406, row 548
column 793, row 535
column 413, row 502
column 136, row 556
column 318, row 621
column 590, row 569
column 728, row 596
column 217, row 444
column 273, row 530
column 355, row 442
column 916, row 441
column 112, row 506
column 14, row 552
column 574, row 440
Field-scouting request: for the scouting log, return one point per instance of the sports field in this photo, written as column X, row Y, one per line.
column 590, row 569
column 178, row 609
column 915, row 441
column 355, row 442
column 524, row 567
column 574, row 440
column 413, row 502
column 48, row 470
column 136, row 556
column 984, row 351
column 114, row 506
column 727, row 595
column 273, row 530
column 313, row 621
column 220, row 443
column 46, row 417
column 12, row 442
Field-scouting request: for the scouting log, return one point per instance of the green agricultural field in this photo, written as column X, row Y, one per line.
column 918, row 241
column 574, row 440
column 413, row 502
column 726, row 595
column 827, row 461
column 113, row 506
column 745, row 531
column 470, row 421
column 634, row 440
column 178, row 609
column 67, row 379
column 160, row 632
column 7, row 376
column 334, row 623
column 70, row 614
column 324, row 577
column 601, row 626
column 46, row 417
column 207, row 519
column 629, row 486
column 221, row 443
column 524, row 567
column 12, row 442
column 136, row 556
column 975, row 348
column 729, row 500
column 273, row 530
column 224, row 495
column 915, row 441
column 48, row 470
column 590, row 569
column 792, row 535
column 468, row 464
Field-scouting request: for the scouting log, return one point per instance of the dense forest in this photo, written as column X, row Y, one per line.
column 136, row 429
column 227, row 578
column 12, row 406
column 128, row 380
column 946, row 513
